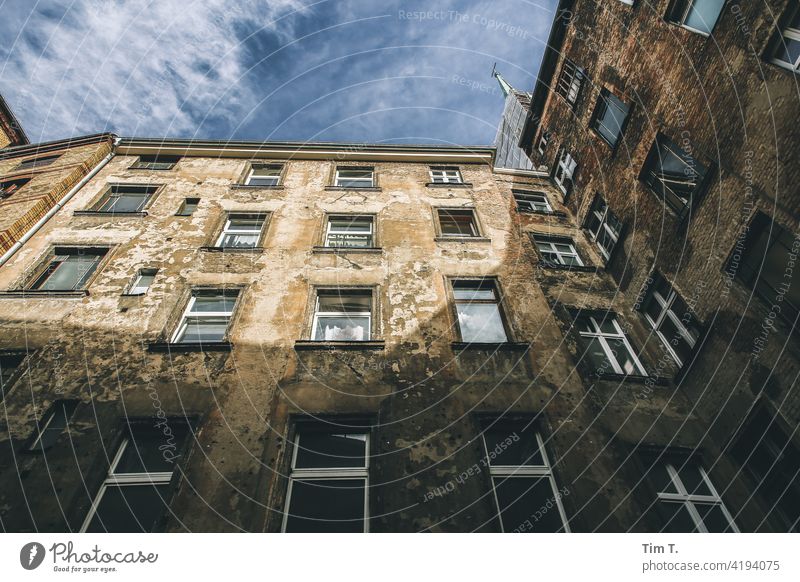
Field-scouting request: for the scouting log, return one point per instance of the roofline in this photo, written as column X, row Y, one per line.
column 50, row 146
column 13, row 123
column 546, row 71
column 306, row 150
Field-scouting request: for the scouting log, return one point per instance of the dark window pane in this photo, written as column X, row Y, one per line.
column 130, row 509
column 153, row 449
column 676, row 518
column 692, row 479
column 703, row 14
column 473, row 291
column 713, row 518
column 457, row 223
column 205, row 330
column 660, row 479
column 214, row 303
column 527, row 504
column 321, row 449
column 53, row 424
column 8, row 366
column 596, row 356
column 513, row 446
column 345, row 302
column 188, row 207
column 788, row 50
column 326, row 506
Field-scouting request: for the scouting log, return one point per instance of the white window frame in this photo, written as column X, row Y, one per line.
column 368, row 182
column 228, row 229
column 602, row 217
column 456, row 212
column 570, row 82
column 446, row 175
column 688, row 500
column 681, row 11
column 135, row 287
column 123, row 480
column 188, row 316
column 544, row 139
column 665, row 304
column 550, row 248
column 790, row 33
column 602, row 338
column 522, row 471
column 63, row 257
column 344, row 314
column 565, row 170
column 274, row 171
column 330, row 229
column 480, row 284
column 111, row 197
column 526, row 198
column 323, row 473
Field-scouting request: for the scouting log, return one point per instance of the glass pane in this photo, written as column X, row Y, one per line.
column 239, row 241
column 481, row 322
column 130, row 509
column 659, row 477
column 201, row 330
column 253, row 224
column 188, row 207
column 151, row 448
column 71, row 273
column 350, row 240
column 623, row 356
column 597, row 356
column 513, row 446
column 473, row 291
column 692, row 479
column 214, row 303
column 129, row 202
column 703, row 14
column 606, row 323
column 351, row 224
column 54, row 426
column 326, row 506
column 527, row 505
column 456, row 223
column 344, row 303
column 262, row 181
column 330, row 328
column 677, row 518
column 713, row 518
column 322, row 449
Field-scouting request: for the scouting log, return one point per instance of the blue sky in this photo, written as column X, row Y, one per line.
column 332, row 70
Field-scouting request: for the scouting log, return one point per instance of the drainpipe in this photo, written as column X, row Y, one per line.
column 59, row 205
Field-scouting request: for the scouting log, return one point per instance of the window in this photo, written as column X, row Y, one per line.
column 207, row 317
column 329, row 481
column 673, row 174
column 557, row 251
column 122, row 198
column 456, row 222
column 264, row 175
column 156, row 162
column 52, row 425
column 609, row 117
column 671, row 320
column 478, row 309
column 142, row 281
column 8, row 187
column 9, row 364
column 446, row 175
column 769, row 249
column 766, row 450
column 604, row 227
column 570, row 81
column 786, row 48
column 188, row 206
column 34, row 163
column 348, row 231
column 354, row 177
column 532, row 202
column 687, row 500
column 565, row 171
column 525, row 490
column 69, row 269
column 343, row 315
column 696, row 15
column 241, row 231
column 544, row 139
column 137, row 490
column 606, row 346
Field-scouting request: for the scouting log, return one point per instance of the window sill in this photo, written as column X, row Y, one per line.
column 42, row 294
column 152, row 169
column 341, row 250
column 104, row 213
column 495, row 347
column 353, row 189
column 256, row 187
column 463, row 239
column 305, row 345
column 449, row 185
column 232, row 250
column 169, row 347
column 632, row 378
column 574, row 268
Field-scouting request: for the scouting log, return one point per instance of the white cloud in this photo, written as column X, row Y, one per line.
column 132, row 67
